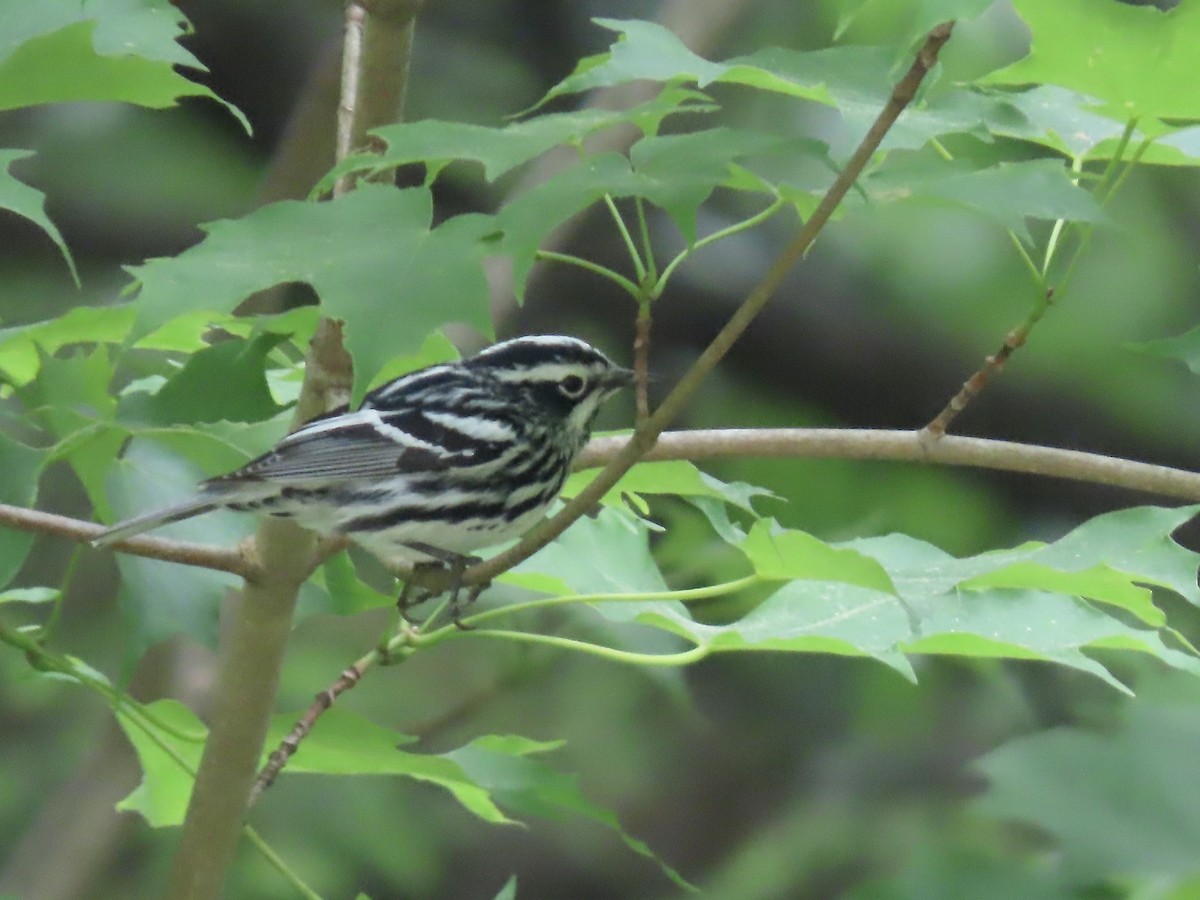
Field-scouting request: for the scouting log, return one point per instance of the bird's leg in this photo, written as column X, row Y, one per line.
column 414, row 593
column 454, row 565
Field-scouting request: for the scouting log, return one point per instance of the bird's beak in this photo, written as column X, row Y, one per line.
column 619, row 378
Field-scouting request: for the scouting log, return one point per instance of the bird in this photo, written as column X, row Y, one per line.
column 433, row 465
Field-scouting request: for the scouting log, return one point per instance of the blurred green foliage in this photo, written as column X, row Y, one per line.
column 998, row 752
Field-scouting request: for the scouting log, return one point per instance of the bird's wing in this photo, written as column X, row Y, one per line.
column 361, row 444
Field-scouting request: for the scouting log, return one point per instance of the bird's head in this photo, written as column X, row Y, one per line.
column 563, row 377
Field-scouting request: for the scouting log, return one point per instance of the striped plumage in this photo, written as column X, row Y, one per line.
column 456, row 457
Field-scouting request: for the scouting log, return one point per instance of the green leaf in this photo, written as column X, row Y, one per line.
column 349, row 593
column 1184, row 347
column 101, row 50
column 17, row 197
column 648, row 51
column 157, row 601
column 168, row 739
column 500, row 150
column 436, row 348
column 503, row 765
column 509, row 889
column 682, row 170
column 782, row 555
column 370, row 255
column 1008, row 193
column 22, row 347
column 345, row 743
column 1136, row 542
column 193, row 331
column 1136, row 60
column 807, row 617
column 912, row 18
column 226, row 381
column 1119, row 803
column 942, row 605
column 530, row 216
column 71, row 398
column 22, row 466
column 1060, row 119
column 1099, row 583
column 680, row 478
column 855, row 80
column 608, row 554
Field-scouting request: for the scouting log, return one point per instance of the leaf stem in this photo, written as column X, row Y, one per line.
column 647, row 246
column 638, row 266
column 756, row 219
column 603, row 271
column 688, row 595
column 683, row 658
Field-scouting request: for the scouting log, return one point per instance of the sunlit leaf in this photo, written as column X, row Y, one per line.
column 679, row 478
column 1136, row 60
column 779, row 554
column 20, row 346
column 168, row 739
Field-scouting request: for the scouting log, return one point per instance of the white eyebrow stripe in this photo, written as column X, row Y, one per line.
column 544, row 372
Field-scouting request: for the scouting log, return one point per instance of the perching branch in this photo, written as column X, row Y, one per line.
column 741, row 443
column 907, row 446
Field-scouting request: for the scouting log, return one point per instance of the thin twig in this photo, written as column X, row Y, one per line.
column 291, row 742
column 641, row 362
column 992, row 366
column 235, row 560
column 644, row 437
column 1107, row 186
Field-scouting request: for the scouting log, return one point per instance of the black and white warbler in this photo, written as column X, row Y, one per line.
column 435, row 464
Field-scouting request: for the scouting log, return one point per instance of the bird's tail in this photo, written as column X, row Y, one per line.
column 165, row 516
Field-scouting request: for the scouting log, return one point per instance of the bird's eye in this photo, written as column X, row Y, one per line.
column 572, row 386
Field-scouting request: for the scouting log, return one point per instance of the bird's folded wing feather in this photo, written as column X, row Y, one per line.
column 362, row 444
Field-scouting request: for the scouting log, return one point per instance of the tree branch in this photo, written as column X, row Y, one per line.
column 251, row 659
column 224, row 559
column 906, row 446
column 375, row 57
